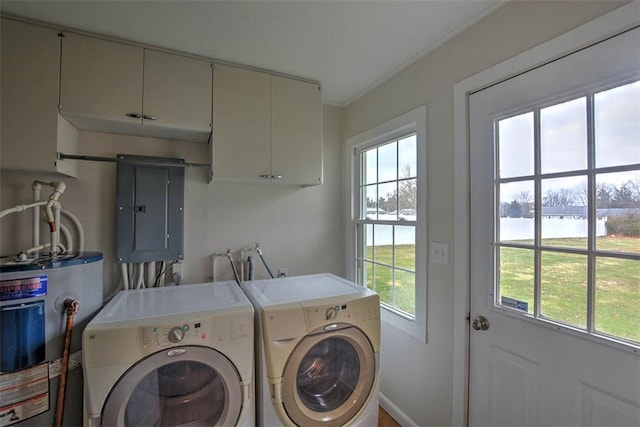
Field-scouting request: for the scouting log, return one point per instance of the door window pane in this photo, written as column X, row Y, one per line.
column 563, row 138
column 618, row 212
column 516, row 278
column 617, row 297
column 515, row 145
column 617, row 125
column 565, row 212
column 517, row 211
column 563, row 288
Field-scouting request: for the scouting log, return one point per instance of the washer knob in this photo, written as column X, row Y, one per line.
column 176, row 334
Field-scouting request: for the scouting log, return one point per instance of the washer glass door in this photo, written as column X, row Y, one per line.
column 193, row 386
column 328, row 377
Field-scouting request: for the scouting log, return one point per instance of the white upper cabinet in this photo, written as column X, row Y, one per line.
column 241, row 124
column 177, row 93
column 31, row 130
column 115, row 87
column 265, row 128
column 296, row 131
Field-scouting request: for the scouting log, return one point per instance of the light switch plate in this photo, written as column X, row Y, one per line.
column 440, row 253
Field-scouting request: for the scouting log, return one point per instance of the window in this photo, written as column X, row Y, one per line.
column 568, row 215
column 387, row 235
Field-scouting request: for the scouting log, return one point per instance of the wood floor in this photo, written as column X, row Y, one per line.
column 385, row 420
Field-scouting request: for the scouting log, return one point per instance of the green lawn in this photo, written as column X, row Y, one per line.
column 401, row 293
column 564, row 285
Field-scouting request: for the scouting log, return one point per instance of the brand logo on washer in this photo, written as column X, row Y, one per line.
column 176, row 352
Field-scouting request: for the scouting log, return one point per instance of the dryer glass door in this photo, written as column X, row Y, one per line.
column 328, row 377
column 193, row 386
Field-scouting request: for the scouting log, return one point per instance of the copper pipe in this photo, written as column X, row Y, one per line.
column 71, row 307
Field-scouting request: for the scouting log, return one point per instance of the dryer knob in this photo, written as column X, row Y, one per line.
column 176, row 334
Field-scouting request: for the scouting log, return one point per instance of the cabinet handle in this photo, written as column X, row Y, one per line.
column 133, row 115
column 146, row 117
column 276, row 176
column 265, row 176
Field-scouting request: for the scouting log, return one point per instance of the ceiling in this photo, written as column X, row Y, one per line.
column 348, row 46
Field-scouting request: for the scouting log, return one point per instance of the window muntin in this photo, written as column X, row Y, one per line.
column 387, row 222
column 568, row 218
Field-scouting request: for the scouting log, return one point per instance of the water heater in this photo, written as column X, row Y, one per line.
column 32, row 329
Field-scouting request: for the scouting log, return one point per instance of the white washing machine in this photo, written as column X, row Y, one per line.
column 180, row 355
column 317, row 351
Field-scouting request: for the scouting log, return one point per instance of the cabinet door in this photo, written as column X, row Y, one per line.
column 296, row 133
column 177, row 94
column 101, row 83
column 30, row 129
column 241, row 124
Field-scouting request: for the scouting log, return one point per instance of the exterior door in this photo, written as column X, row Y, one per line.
column 328, row 378
column 195, row 386
column 555, row 264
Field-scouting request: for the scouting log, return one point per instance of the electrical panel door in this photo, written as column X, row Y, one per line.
column 150, row 209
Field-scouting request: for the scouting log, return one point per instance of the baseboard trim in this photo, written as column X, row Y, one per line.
column 395, row 412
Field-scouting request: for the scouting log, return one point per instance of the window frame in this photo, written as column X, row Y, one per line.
column 414, row 121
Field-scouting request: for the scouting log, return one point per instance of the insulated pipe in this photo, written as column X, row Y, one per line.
column 20, row 208
column 71, row 306
column 36, row 187
column 79, row 228
column 56, row 217
column 67, row 237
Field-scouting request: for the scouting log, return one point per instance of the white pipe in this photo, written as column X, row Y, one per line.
column 213, row 267
column 140, row 282
column 151, row 273
column 79, row 228
column 20, row 208
column 125, row 276
column 67, row 237
column 36, row 187
column 56, row 218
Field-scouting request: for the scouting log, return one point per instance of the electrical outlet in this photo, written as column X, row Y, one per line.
column 283, row 272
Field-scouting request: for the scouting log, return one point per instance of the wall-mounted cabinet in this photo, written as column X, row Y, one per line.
column 32, row 132
column 265, row 128
column 115, row 87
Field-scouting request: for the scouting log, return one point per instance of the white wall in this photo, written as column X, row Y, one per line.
column 298, row 228
column 415, row 377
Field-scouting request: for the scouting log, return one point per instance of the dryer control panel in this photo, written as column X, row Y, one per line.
column 358, row 311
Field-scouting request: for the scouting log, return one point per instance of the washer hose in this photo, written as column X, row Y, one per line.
column 265, row 263
column 233, row 266
column 71, row 307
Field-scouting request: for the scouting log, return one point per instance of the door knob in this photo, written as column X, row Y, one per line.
column 480, row 323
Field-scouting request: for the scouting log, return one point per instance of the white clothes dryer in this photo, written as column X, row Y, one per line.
column 317, row 351
column 171, row 356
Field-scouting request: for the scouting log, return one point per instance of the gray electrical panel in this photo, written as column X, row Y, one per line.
column 150, row 209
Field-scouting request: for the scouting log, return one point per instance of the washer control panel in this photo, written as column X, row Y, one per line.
column 197, row 332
